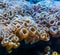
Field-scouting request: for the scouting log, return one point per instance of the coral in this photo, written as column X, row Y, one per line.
column 23, row 33
column 30, row 24
column 54, row 53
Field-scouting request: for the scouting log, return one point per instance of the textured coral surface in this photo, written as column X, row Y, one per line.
column 30, row 23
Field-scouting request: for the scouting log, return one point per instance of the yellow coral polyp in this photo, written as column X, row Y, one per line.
column 24, row 33
column 47, row 38
column 55, row 53
column 10, row 45
column 16, row 45
column 15, row 39
column 43, row 36
column 5, row 42
column 32, row 31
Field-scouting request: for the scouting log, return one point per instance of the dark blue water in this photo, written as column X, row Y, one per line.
column 36, row 1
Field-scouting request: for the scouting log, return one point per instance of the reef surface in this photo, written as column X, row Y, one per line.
column 36, row 24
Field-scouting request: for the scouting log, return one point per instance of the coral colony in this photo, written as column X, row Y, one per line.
column 31, row 23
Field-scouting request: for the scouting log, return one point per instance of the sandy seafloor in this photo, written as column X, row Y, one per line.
column 36, row 48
